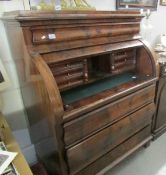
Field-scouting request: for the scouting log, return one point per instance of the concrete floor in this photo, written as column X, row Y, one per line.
column 150, row 161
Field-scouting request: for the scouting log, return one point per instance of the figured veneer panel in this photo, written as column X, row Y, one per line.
column 99, row 144
column 61, row 46
column 85, row 125
column 41, row 36
column 119, row 153
column 144, row 63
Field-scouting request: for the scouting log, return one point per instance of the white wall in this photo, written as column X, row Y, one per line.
column 13, row 107
column 103, row 4
column 157, row 19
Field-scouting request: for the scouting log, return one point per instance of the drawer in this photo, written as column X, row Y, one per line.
column 74, row 69
column 86, row 152
column 69, row 77
column 126, row 68
column 61, row 67
column 120, row 55
column 119, row 153
column 86, row 125
column 125, row 63
column 70, row 74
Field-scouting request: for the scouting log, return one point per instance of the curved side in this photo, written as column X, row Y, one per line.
column 51, row 85
column 54, row 109
column 152, row 55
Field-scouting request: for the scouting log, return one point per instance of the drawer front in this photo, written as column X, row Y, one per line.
column 119, row 153
column 86, row 125
column 69, row 77
column 123, row 61
column 61, row 68
column 68, row 71
column 70, row 74
column 96, row 146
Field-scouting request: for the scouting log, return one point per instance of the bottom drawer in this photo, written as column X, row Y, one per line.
column 113, row 157
column 96, row 146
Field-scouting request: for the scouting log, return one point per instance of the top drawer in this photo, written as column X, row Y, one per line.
column 86, row 125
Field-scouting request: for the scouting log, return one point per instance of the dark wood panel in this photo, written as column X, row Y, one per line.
column 91, row 149
column 89, row 123
column 159, row 122
column 115, row 156
column 60, row 46
column 41, row 36
column 161, row 115
column 144, row 65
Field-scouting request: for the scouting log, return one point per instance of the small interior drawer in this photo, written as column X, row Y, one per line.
column 126, row 68
column 68, row 70
column 60, row 67
column 70, row 74
column 123, row 54
column 67, row 67
column 69, row 77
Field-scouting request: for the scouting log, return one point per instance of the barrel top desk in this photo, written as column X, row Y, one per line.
column 90, row 87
